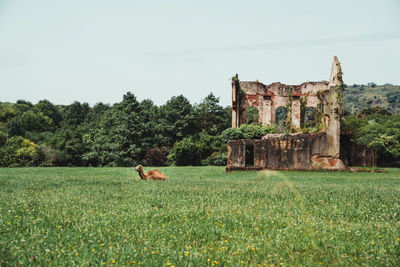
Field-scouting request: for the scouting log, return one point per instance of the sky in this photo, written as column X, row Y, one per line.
column 95, row 51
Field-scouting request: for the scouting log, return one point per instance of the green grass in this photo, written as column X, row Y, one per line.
column 201, row 216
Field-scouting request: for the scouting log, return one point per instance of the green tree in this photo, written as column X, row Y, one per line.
column 15, row 127
column 252, row 115
column 18, row 151
column 210, row 115
column 75, row 114
column 3, row 138
column 185, row 152
column 177, row 119
column 22, row 106
column 378, row 129
column 7, row 111
column 49, row 110
column 117, row 141
column 36, row 121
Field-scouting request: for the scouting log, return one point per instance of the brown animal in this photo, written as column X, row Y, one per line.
column 150, row 175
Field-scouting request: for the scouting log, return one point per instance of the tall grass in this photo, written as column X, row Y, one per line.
column 201, row 216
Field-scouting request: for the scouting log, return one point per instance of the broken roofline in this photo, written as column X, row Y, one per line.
column 268, row 98
column 304, row 89
column 287, row 85
column 298, row 151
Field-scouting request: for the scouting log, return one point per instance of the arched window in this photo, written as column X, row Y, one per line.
column 252, row 115
column 310, row 117
column 280, row 115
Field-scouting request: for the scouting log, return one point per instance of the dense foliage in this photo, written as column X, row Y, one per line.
column 124, row 134
column 377, row 128
column 180, row 133
column 358, row 97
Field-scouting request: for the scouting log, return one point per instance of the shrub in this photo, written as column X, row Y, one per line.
column 156, row 157
column 18, row 151
column 252, row 115
column 231, row 134
column 253, row 131
column 14, row 127
column 216, row 159
column 247, row 131
column 207, row 144
column 3, row 138
column 185, row 152
column 46, row 156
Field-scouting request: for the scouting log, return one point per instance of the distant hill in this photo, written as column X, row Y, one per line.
column 358, row 97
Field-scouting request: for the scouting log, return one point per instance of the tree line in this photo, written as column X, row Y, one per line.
column 357, row 97
column 378, row 128
column 123, row 134
column 135, row 132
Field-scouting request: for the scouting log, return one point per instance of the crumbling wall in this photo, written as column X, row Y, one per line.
column 303, row 151
column 268, row 98
column 294, row 151
column 332, row 108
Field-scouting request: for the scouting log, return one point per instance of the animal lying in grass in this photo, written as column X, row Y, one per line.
column 150, row 175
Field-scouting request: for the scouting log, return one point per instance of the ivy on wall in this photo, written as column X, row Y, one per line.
column 320, row 116
column 303, row 107
column 288, row 123
column 240, row 95
column 339, row 90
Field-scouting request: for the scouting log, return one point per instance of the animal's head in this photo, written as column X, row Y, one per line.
column 138, row 167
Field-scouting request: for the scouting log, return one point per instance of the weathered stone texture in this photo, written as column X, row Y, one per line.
column 268, row 98
column 295, row 151
column 303, row 151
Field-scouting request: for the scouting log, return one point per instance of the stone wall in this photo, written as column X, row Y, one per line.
column 294, row 151
column 268, row 98
column 303, row 151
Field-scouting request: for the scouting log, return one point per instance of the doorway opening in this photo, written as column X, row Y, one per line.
column 249, row 156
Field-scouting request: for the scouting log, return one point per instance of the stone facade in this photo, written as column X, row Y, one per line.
column 303, row 151
column 268, row 98
column 294, row 151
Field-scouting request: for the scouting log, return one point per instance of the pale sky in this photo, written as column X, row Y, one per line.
column 96, row 51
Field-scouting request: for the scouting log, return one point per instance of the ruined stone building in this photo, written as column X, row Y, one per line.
column 302, row 150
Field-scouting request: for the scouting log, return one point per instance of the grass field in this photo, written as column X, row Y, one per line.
column 201, row 216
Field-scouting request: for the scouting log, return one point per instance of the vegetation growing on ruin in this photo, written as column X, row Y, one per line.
column 252, row 115
column 319, row 113
column 339, row 90
column 303, row 106
column 240, row 93
column 288, row 121
column 200, row 217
